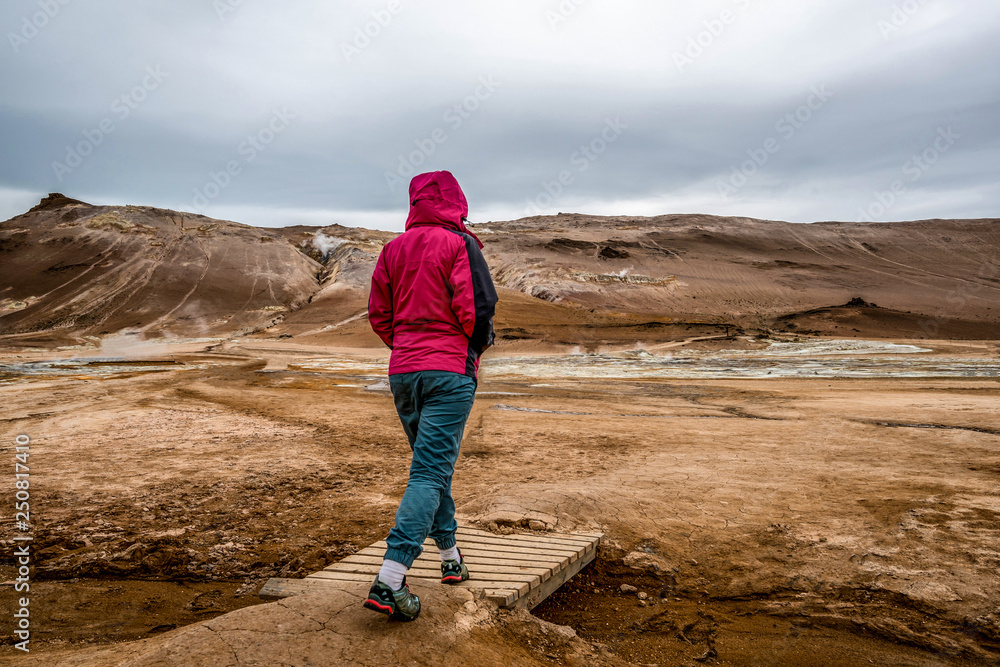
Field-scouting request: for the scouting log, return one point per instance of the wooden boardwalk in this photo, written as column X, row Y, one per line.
column 514, row 570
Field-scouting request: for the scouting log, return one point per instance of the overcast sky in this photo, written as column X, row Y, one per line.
column 276, row 113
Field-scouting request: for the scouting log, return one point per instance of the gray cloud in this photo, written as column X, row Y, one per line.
column 697, row 91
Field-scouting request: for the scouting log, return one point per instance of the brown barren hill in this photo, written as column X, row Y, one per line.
column 69, row 268
column 72, row 268
column 758, row 274
column 589, row 280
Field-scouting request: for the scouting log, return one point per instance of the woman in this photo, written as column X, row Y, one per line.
column 432, row 302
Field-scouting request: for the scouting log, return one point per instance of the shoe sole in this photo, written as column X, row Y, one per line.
column 453, row 580
column 393, row 614
column 399, row 616
column 375, row 605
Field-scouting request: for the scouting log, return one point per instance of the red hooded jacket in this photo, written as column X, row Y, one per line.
column 432, row 300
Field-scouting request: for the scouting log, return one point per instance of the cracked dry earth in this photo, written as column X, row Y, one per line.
column 786, row 522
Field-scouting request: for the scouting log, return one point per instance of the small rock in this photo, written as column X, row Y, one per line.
column 710, row 654
column 628, row 589
column 564, row 631
column 640, row 560
column 642, row 595
column 535, row 524
column 244, row 589
column 642, row 603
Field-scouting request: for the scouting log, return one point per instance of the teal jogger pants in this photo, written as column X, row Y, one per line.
column 433, row 407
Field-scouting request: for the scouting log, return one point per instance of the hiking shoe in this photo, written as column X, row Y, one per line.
column 454, row 571
column 401, row 605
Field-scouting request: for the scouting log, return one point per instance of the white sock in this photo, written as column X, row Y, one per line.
column 392, row 574
column 450, row 554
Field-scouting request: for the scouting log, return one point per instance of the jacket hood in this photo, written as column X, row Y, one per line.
column 436, row 198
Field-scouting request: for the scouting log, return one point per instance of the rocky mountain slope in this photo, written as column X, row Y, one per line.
column 71, row 269
column 925, row 276
column 75, row 269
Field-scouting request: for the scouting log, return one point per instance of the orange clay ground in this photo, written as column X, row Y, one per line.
column 779, row 521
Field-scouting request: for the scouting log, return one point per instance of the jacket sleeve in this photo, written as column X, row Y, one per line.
column 474, row 298
column 380, row 302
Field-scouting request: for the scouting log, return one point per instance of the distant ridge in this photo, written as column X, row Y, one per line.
column 69, row 269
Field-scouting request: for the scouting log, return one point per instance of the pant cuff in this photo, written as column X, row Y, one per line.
column 446, row 543
column 400, row 556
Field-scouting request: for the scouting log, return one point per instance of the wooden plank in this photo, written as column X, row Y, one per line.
column 434, row 566
column 483, row 555
column 597, row 537
column 423, row 573
column 481, row 542
column 527, row 541
column 507, row 549
column 522, row 544
column 521, row 541
column 487, row 557
column 586, row 537
column 471, row 561
column 537, row 595
column 466, row 525
column 476, row 540
column 501, row 559
column 520, row 589
column 562, row 537
column 539, row 556
column 503, row 598
column 549, row 537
